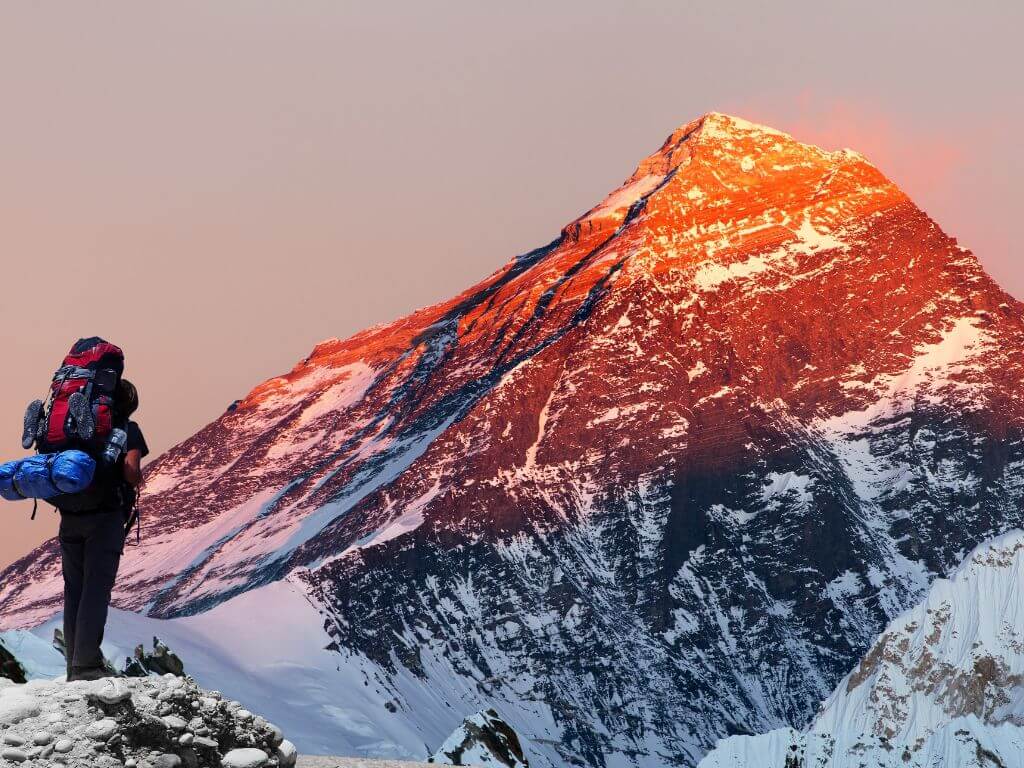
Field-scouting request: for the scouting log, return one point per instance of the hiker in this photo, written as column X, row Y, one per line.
column 91, row 544
column 88, row 466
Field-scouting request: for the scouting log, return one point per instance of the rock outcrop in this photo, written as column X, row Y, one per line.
column 10, row 667
column 482, row 740
column 160, row 661
column 153, row 722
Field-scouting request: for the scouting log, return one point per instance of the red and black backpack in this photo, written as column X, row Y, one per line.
column 80, row 412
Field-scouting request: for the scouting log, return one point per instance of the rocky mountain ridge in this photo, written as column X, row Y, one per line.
column 943, row 685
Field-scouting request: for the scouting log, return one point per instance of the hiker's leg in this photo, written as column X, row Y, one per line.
column 102, row 557
column 72, row 559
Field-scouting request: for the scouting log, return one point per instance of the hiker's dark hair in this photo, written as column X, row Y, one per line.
column 127, row 400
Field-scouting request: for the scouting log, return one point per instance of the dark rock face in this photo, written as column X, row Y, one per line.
column 10, row 667
column 483, row 740
column 161, row 661
column 660, row 481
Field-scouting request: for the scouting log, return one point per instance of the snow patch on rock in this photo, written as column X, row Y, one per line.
column 483, row 739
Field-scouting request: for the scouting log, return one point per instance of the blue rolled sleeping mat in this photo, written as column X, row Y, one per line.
column 46, row 475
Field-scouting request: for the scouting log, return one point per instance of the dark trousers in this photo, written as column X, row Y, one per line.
column 91, row 546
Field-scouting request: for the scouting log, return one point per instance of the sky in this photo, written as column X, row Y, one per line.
column 218, row 186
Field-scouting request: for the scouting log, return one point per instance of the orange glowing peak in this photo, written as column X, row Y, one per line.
column 721, row 172
column 718, row 190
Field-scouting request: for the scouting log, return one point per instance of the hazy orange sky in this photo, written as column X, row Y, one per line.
column 217, row 186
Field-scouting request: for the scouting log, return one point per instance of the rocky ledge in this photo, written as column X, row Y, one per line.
column 483, row 740
column 149, row 722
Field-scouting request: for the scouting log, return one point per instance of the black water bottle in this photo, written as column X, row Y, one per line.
column 115, row 446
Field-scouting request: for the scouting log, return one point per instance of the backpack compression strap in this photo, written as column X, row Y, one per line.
column 73, row 372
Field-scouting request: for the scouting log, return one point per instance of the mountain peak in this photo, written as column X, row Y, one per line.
column 720, row 126
column 720, row 180
column 731, row 125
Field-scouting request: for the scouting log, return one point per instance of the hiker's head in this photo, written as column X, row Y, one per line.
column 127, row 399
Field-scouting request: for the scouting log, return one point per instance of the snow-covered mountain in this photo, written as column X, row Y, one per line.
column 660, row 481
column 943, row 685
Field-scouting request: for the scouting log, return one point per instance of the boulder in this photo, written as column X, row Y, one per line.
column 245, row 758
column 286, row 754
column 110, row 691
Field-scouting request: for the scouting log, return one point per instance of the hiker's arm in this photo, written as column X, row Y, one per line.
column 133, row 467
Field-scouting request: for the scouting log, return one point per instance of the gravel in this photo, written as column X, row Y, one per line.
column 148, row 722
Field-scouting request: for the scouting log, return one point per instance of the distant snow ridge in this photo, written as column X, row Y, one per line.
column 943, row 685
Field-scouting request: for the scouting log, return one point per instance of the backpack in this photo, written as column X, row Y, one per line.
column 79, row 413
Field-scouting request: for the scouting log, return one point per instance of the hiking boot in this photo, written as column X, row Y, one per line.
column 81, row 412
column 89, row 673
column 32, row 423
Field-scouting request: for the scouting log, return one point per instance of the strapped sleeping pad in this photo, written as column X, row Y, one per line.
column 46, row 476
